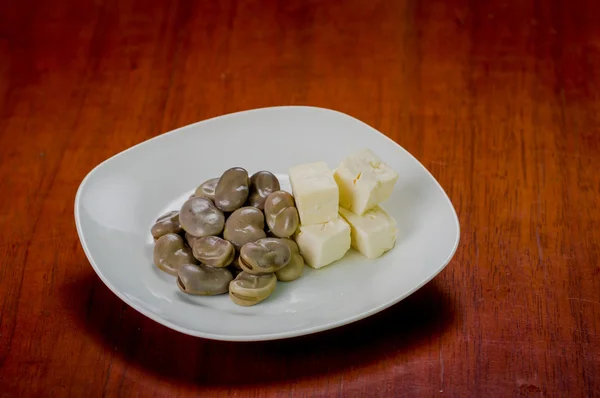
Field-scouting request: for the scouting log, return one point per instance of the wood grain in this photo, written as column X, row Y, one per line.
column 498, row 99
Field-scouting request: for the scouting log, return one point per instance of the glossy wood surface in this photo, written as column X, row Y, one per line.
column 499, row 99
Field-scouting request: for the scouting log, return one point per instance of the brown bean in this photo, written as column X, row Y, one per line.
column 247, row 289
column 281, row 214
column 170, row 251
column 232, row 189
column 213, row 251
column 203, row 280
column 244, row 225
column 165, row 224
column 200, row 217
column 262, row 184
column 207, row 189
column 264, row 256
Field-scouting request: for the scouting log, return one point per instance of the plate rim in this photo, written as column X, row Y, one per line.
column 262, row 336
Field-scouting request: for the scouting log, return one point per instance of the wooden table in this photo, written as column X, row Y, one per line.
column 498, row 99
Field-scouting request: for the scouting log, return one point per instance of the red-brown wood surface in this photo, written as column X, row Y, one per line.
column 499, row 100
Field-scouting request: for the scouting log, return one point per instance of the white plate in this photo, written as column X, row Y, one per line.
column 118, row 201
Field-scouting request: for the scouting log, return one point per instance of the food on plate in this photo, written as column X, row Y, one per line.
column 322, row 244
column 170, row 251
column 364, row 181
column 281, row 214
column 293, row 270
column 232, row 189
column 207, row 189
column 200, row 217
column 244, row 225
column 235, row 267
column 203, row 280
column 248, row 289
column 240, row 235
column 165, row 224
column 265, row 256
column 315, row 192
column 190, row 239
column 213, row 251
column 262, row 184
column 373, row 233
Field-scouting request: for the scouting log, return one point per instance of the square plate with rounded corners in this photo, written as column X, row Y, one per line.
column 118, row 201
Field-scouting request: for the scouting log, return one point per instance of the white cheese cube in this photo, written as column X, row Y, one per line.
column 322, row 244
column 373, row 233
column 315, row 192
column 364, row 181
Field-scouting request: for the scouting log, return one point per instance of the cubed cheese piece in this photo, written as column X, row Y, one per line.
column 364, row 181
column 373, row 233
column 322, row 244
column 316, row 193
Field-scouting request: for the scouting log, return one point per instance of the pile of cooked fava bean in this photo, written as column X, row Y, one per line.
column 233, row 235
